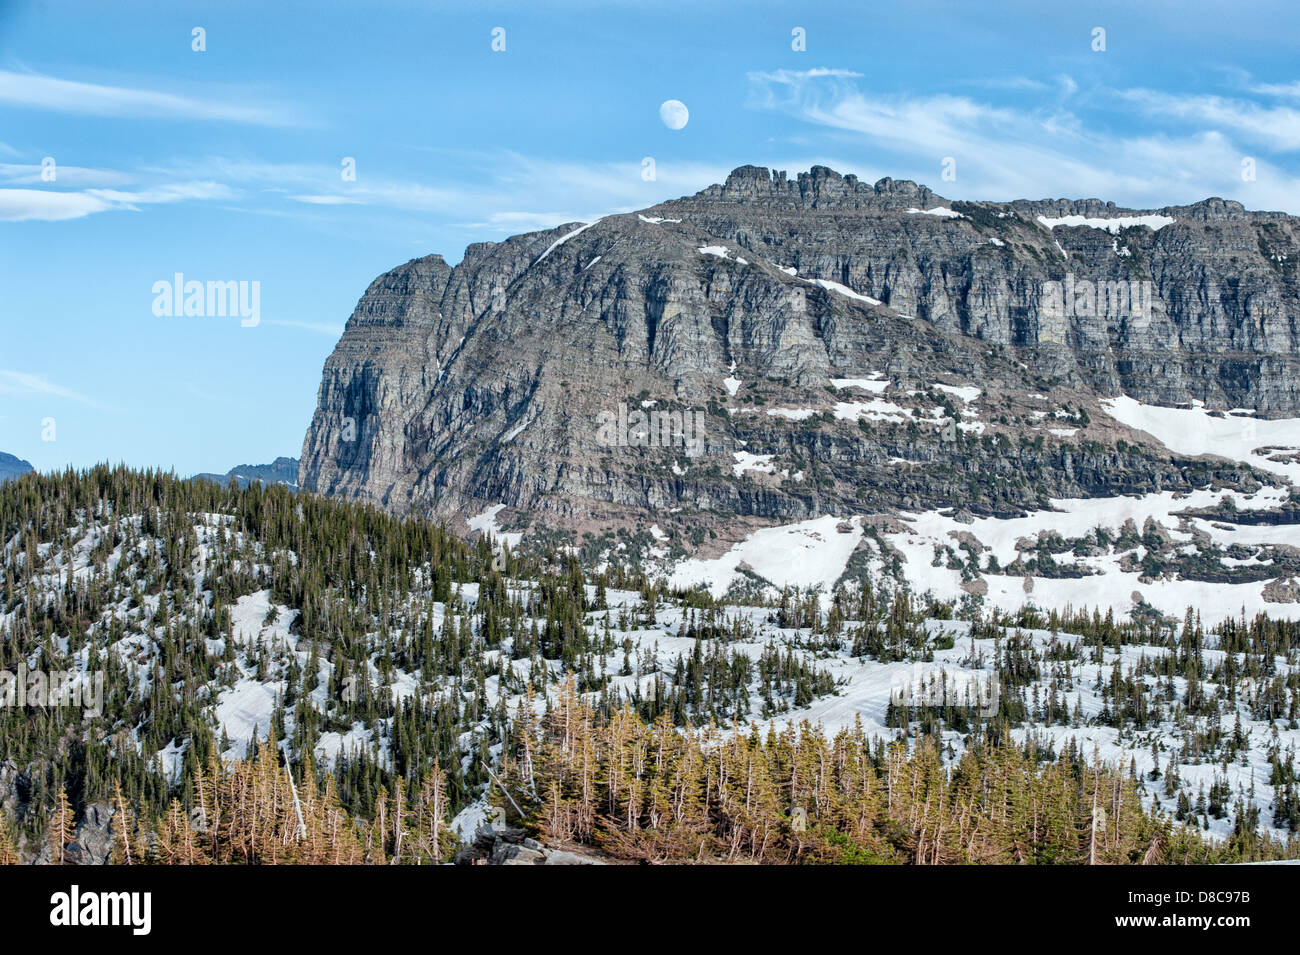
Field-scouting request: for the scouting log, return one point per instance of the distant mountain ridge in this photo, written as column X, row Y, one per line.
column 280, row 471
column 13, row 467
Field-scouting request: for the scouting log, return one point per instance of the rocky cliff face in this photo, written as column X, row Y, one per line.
column 835, row 345
column 509, row 846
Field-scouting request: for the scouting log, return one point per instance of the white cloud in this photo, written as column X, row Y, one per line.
column 1274, row 127
column 34, row 91
column 1005, row 152
column 796, row 76
column 78, row 176
column 328, row 329
column 26, row 384
column 170, row 192
column 1288, row 90
column 315, row 184
column 505, row 193
column 21, row 205
column 514, row 222
column 327, row 200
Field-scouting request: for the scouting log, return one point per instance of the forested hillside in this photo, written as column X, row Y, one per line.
column 289, row 678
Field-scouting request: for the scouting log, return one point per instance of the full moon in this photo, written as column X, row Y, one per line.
column 674, row 114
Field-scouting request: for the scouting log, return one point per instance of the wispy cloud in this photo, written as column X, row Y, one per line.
column 29, row 385
column 1005, row 152
column 21, row 205
column 527, row 193
column 327, row 200
column 513, row 222
column 501, row 192
column 328, row 329
column 81, row 177
column 317, row 184
column 1273, row 127
column 504, row 193
column 1063, row 84
column 1287, row 90
column 169, row 192
column 35, row 91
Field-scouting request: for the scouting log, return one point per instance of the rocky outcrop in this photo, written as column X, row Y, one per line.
column 1282, row 591
column 509, row 846
column 93, row 844
column 503, row 380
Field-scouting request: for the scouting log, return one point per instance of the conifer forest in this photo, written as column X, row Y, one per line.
column 288, row 678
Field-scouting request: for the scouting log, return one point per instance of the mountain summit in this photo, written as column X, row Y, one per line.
column 835, row 347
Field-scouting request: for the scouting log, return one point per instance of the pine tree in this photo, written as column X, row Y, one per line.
column 8, row 849
column 124, row 853
column 62, row 829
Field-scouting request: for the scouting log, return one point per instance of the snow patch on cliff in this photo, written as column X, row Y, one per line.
column 1264, row 443
column 1154, row 222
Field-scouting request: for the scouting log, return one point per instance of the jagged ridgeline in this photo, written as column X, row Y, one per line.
column 405, row 684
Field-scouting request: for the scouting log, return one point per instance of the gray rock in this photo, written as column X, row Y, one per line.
column 507, row 854
column 508, row 846
column 561, row 857
column 1282, row 591
column 94, row 843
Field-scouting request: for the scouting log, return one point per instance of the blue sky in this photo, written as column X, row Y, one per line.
column 226, row 164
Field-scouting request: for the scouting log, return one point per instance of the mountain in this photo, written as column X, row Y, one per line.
column 483, row 383
column 280, row 471
column 841, row 351
column 428, row 695
column 12, row 467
